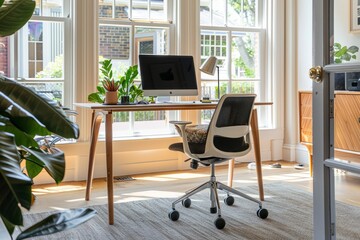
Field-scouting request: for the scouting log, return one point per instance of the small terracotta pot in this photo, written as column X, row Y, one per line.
column 111, row 97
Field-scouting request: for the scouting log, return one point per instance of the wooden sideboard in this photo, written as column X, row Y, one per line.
column 346, row 124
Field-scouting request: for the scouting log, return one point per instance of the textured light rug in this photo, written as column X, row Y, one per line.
column 290, row 217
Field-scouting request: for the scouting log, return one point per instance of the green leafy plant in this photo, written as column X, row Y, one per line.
column 127, row 81
column 25, row 115
column 344, row 53
column 108, row 82
column 127, row 87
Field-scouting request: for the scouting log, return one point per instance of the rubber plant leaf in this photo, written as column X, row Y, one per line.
column 21, row 137
column 21, row 118
column 58, row 222
column 47, row 111
column 14, row 184
column 54, row 163
column 14, row 14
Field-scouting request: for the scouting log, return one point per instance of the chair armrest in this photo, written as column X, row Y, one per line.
column 180, row 122
column 182, row 125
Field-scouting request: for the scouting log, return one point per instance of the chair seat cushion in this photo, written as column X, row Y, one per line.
column 195, row 133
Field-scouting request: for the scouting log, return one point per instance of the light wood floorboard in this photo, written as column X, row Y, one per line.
column 173, row 184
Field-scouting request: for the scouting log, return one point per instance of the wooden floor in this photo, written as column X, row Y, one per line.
column 173, row 184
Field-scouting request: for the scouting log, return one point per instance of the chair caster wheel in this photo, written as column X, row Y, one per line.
column 186, row 202
column 229, row 200
column 262, row 213
column 213, row 210
column 174, row 215
column 194, row 164
column 219, row 223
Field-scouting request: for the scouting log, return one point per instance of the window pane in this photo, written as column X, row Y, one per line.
column 51, row 90
column 4, row 56
column 205, row 12
column 140, row 10
column 45, row 50
column 218, row 13
column 114, row 42
column 122, row 9
column 244, row 87
column 147, row 123
column 105, row 8
column 213, row 43
column 245, row 55
column 157, row 10
column 50, row 8
column 151, row 40
column 242, row 13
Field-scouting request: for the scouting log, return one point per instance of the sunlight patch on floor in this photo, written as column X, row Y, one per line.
column 154, row 194
column 56, row 189
column 172, row 177
column 304, row 176
column 245, row 181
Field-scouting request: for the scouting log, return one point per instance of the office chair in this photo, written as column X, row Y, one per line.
column 226, row 137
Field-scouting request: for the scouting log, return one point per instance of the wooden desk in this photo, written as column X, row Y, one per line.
column 100, row 110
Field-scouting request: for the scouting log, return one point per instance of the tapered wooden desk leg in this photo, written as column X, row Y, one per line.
column 231, row 172
column 96, row 121
column 256, row 145
column 109, row 166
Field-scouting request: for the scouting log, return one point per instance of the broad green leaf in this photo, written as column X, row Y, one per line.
column 353, row 49
column 45, row 110
column 21, row 118
column 346, row 57
column 341, row 52
column 14, row 184
column 33, row 169
column 14, row 14
column 101, row 89
column 21, row 138
column 53, row 163
column 9, row 226
column 58, row 222
column 95, row 97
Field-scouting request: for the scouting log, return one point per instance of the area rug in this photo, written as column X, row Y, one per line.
column 290, row 217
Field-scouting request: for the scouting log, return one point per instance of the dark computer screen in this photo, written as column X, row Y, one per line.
column 168, row 75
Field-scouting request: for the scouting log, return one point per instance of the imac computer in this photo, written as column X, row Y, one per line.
column 168, row 75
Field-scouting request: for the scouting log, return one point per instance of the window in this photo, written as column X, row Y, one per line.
column 232, row 30
column 128, row 28
column 39, row 55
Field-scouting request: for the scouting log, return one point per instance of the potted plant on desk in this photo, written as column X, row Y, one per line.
column 110, row 85
column 128, row 90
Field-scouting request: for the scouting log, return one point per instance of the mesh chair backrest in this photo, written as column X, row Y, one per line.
column 229, row 127
column 235, row 110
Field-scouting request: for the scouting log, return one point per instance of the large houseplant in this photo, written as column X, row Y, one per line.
column 23, row 115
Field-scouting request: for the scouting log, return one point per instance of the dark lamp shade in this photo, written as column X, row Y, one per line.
column 209, row 65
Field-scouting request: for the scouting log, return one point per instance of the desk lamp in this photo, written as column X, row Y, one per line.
column 209, row 66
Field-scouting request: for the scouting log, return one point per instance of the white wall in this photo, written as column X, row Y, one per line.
column 304, row 44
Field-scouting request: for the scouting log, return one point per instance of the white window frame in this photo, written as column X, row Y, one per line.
column 19, row 61
column 265, row 88
column 146, row 23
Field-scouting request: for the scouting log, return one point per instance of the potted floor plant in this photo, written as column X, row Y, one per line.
column 26, row 116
